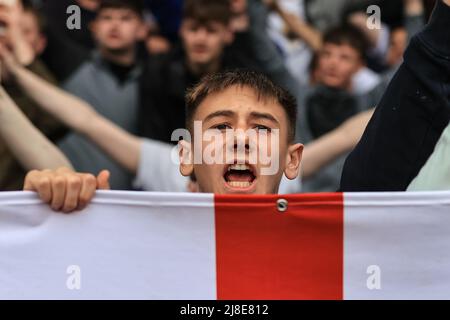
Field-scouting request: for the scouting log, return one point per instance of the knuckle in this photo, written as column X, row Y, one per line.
column 90, row 180
column 58, row 181
column 74, row 182
column 43, row 183
column 32, row 174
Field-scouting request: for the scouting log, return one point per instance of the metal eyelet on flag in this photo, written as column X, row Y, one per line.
column 282, row 205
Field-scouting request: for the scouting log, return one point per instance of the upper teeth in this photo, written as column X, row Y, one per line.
column 240, row 167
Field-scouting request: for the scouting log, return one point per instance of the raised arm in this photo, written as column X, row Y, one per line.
column 414, row 12
column 306, row 32
column 266, row 54
column 334, row 144
column 30, row 147
column 76, row 114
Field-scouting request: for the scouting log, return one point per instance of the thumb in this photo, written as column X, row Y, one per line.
column 103, row 180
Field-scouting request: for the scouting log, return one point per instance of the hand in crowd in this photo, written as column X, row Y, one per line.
column 8, row 61
column 64, row 189
column 413, row 7
column 10, row 15
column 359, row 20
column 12, row 36
column 90, row 5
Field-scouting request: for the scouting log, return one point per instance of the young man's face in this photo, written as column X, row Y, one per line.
column 337, row 65
column 204, row 43
column 240, row 109
column 117, row 29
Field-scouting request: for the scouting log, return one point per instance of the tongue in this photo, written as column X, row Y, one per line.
column 240, row 177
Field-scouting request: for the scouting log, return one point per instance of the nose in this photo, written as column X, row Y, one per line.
column 201, row 33
column 240, row 142
column 333, row 61
column 115, row 24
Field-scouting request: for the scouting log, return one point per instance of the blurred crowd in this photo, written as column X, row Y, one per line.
column 132, row 61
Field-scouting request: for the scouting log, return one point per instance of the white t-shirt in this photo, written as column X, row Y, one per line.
column 157, row 170
column 435, row 175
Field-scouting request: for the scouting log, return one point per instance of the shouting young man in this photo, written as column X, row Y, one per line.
column 248, row 117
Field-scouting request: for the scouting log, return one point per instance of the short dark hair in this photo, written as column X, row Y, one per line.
column 135, row 5
column 261, row 84
column 347, row 34
column 205, row 11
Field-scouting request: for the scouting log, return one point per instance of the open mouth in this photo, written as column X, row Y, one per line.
column 240, row 176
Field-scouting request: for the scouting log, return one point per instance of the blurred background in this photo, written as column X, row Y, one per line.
column 132, row 61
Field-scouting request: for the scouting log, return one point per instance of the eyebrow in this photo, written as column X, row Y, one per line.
column 229, row 114
column 266, row 116
column 220, row 113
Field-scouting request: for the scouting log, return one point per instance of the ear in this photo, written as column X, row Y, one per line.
column 186, row 158
column 293, row 160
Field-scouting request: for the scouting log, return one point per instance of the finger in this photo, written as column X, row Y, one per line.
column 30, row 177
column 103, row 180
column 73, row 190
column 5, row 54
column 58, row 184
column 88, row 188
column 35, row 181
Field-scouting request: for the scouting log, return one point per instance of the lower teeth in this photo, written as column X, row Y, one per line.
column 239, row 184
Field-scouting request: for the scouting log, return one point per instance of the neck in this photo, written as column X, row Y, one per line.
column 202, row 69
column 124, row 58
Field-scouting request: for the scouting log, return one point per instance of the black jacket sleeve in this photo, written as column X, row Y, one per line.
column 411, row 116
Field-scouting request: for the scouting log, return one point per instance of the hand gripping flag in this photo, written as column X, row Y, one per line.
column 129, row 245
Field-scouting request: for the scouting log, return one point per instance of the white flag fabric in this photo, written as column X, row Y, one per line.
column 136, row 245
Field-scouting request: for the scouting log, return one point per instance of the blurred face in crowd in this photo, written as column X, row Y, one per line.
column 240, row 108
column 204, row 43
column 397, row 46
column 338, row 64
column 118, row 29
column 32, row 33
